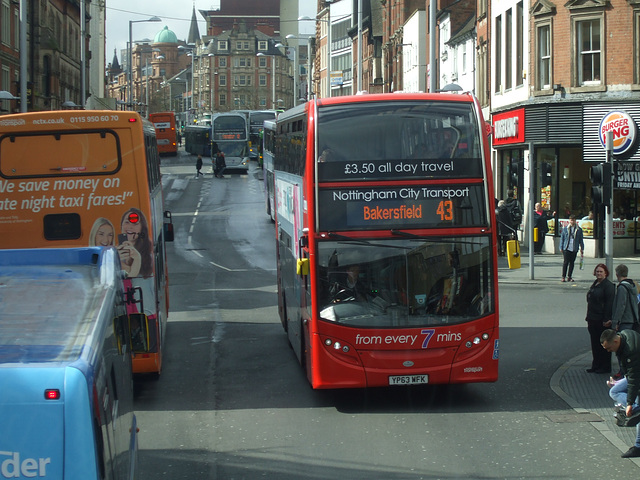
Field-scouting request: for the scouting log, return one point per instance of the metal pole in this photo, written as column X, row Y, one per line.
column 146, row 82
column 130, row 67
column 432, row 48
column 608, row 230
column 530, row 209
column 295, row 76
column 359, row 45
column 23, row 56
column 329, row 51
column 83, row 55
column 273, row 82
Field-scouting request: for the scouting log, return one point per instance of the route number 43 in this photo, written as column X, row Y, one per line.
column 445, row 210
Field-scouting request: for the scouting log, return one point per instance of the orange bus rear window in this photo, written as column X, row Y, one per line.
column 85, row 152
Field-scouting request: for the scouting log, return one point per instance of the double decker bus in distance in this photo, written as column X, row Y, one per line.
column 166, row 136
column 385, row 226
column 79, row 178
column 256, row 122
column 66, row 402
column 230, row 135
column 268, row 147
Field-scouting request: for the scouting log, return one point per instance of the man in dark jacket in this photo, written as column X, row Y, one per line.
column 626, row 345
column 625, row 303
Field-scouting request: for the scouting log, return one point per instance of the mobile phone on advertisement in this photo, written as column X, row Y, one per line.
column 122, row 237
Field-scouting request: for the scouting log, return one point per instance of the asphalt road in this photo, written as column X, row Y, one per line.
column 232, row 402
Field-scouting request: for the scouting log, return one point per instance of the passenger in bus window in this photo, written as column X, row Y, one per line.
column 102, row 233
column 135, row 246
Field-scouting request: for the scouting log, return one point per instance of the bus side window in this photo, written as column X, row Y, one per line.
column 168, row 226
column 139, row 328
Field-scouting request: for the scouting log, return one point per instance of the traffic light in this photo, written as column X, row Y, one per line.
column 600, row 176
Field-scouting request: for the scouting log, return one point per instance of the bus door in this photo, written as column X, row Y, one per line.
column 302, row 270
column 139, row 330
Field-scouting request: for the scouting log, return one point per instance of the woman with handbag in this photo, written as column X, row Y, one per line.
column 599, row 306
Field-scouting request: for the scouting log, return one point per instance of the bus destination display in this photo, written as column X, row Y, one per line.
column 433, row 206
column 399, row 169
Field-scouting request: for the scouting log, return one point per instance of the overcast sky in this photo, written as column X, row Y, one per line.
column 175, row 14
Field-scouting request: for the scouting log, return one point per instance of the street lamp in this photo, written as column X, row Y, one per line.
column 306, row 37
column 273, row 78
column 190, row 49
column 186, row 97
column 328, row 22
column 131, row 22
column 295, row 71
column 211, row 80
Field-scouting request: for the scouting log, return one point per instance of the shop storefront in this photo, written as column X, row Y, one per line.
column 560, row 142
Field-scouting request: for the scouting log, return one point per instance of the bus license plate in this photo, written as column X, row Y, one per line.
column 408, row 379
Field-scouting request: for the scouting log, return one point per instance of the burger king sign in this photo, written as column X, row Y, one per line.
column 623, row 128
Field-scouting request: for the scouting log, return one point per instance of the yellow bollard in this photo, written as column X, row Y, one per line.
column 513, row 254
column 535, row 234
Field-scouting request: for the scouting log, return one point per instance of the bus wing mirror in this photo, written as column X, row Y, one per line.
column 139, row 331
column 168, row 226
column 303, row 266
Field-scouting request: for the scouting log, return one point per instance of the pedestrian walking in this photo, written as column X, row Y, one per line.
column 625, row 303
column 626, row 346
column 599, row 307
column 219, row 165
column 505, row 230
column 570, row 242
column 199, row 166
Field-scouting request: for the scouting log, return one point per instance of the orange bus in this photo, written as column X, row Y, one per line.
column 166, row 135
column 386, row 240
column 80, row 178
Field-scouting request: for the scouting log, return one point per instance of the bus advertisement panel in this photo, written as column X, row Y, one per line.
column 387, row 273
column 166, row 135
column 91, row 178
column 230, row 135
column 66, row 402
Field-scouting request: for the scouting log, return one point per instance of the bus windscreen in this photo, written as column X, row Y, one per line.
column 398, row 140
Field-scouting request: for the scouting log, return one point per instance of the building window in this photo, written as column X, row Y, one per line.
column 262, row 62
column 588, row 52
column 263, row 101
column 222, row 99
column 519, row 44
column 262, row 79
column 223, row 45
column 238, row 45
column 5, row 15
column 222, row 80
column 543, row 59
column 482, row 8
column 262, row 45
column 222, row 62
column 508, row 55
column 498, row 64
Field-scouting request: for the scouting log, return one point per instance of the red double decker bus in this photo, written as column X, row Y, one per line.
column 386, row 258
column 166, row 135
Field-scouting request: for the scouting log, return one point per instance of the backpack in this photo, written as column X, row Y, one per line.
column 515, row 213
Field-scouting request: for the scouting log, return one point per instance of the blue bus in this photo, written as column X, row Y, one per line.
column 66, row 395
column 230, row 135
